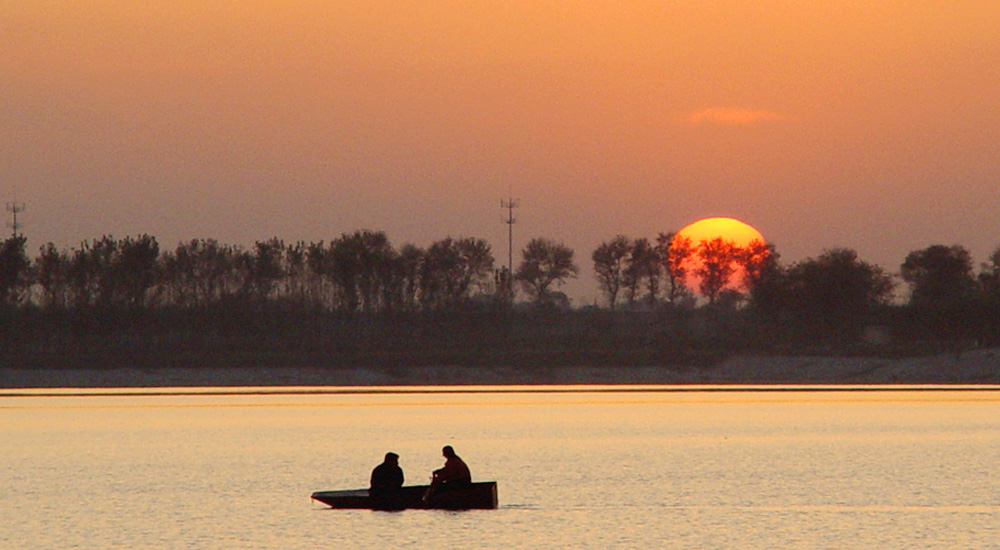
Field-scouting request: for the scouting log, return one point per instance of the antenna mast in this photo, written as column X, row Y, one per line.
column 510, row 204
column 14, row 208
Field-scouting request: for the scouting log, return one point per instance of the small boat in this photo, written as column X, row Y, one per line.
column 473, row 496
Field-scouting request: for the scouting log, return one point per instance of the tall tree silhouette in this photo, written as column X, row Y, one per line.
column 939, row 275
column 763, row 277
column 51, row 274
column 989, row 277
column 14, row 265
column 610, row 262
column 452, row 268
column 199, row 272
column 361, row 267
column 297, row 279
column 134, row 270
column 719, row 260
column 837, row 290
column 643, row 271
column 674, row 253
column 264, row 269
column 544, row 263
column 410, row 259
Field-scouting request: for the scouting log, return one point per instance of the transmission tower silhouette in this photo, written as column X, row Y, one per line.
column 510, row 204
column 14, row 208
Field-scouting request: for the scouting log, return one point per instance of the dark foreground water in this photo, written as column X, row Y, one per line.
column 596, row 469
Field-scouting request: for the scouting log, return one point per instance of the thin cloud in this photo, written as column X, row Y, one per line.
column 730, row 117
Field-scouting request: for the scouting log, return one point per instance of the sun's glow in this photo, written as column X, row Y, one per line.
column 707, row 229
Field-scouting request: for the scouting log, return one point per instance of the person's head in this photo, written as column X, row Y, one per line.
column 447, row 451
column 391, row 458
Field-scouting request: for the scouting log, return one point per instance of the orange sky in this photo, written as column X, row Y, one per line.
column 871, row 125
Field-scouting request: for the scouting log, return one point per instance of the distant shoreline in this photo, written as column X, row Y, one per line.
column 976, row 367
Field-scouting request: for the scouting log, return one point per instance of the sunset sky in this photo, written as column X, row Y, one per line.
column 873, row 125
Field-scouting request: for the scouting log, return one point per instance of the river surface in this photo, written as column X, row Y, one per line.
column 643, row 468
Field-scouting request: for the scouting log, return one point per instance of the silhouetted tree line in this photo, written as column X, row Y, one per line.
column 358, row 299
column 357, row 272
column 835, row 297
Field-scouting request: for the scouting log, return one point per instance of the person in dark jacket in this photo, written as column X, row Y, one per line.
column 388, row 474
column 454, row 470
column 454, row 474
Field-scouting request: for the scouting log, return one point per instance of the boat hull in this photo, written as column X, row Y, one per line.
column 474, row 496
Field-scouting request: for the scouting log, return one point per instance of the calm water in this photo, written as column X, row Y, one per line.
column 648, row 469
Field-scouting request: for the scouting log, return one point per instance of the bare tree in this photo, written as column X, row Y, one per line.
column 674, row 252
column 643, row 271
column 452, row 268
column 719, row 259
column 545, row 262
column 610, row 262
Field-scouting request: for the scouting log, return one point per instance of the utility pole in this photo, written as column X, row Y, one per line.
column 510, row 204
column 14, row 208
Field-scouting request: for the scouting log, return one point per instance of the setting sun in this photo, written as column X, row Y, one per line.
column 708, row 229
column 728, row 229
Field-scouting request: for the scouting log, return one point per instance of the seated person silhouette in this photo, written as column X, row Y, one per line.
column 387, row 478
column 453, row 475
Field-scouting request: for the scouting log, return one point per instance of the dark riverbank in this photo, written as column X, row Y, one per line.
column 253, row 347
column 972, row 367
